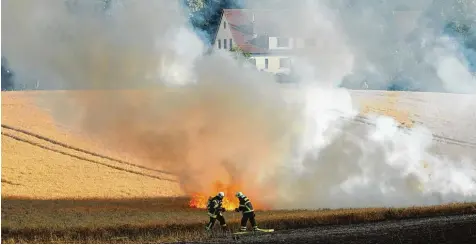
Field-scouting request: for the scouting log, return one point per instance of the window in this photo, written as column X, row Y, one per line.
column 224, row 24
column 219, row 43
column 283, row 42
column 266, row 63
column 231, row 44
column 284, row 63
column 224, row 43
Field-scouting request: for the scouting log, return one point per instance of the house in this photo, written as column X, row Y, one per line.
column 256, row 32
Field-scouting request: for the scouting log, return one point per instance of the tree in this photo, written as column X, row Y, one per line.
column 7, row 76
column 195, row 5
column 239, row 52
column 205, row 15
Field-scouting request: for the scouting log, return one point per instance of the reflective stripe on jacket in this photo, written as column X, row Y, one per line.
column 214, row 206
column 245, row 205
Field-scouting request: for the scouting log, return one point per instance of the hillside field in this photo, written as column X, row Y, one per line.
column 59, row 186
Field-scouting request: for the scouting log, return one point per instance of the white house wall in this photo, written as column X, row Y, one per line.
column 294, row 43
column 273, row 43
column 273, row 63
column 224, row 34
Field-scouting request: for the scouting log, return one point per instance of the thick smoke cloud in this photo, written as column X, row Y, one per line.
column 224, row 116
column 209, row 117
column 391, row 42
column 341, row 164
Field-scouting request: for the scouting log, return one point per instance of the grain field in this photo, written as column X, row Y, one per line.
column 62, row 186
column 41, row 159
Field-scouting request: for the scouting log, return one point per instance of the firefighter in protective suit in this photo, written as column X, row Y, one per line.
column 215, row 211
column 248, row 212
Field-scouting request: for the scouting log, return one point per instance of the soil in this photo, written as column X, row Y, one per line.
column 445, row 229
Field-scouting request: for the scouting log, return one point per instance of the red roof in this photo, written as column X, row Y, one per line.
column 238, row 16
column 240, row 21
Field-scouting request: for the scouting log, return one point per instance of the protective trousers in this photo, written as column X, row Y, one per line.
column 248, row 216
column 220, row 219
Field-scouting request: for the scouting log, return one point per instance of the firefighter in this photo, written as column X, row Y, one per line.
column 215, row 211
column 248, row 212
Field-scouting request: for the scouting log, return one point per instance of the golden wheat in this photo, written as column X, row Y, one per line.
column 36, row 168
column 77, row 190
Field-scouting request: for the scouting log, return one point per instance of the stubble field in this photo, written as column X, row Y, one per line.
column 59, row 186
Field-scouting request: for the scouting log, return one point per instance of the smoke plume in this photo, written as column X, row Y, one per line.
column 210, row 117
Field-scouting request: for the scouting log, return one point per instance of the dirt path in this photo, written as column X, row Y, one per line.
column 445, row 229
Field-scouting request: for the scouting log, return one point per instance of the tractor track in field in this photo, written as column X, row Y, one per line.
column 443, row 229
column 360, row 119
column 438, row 138
column 55, row 142
column 75, row 149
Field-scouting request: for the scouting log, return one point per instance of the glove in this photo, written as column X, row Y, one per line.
column 223, row 209
column 237, row 210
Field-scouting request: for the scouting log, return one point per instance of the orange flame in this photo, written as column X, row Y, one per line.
column 230, row 202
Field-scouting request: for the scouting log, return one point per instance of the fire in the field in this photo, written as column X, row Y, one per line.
column 230, row 202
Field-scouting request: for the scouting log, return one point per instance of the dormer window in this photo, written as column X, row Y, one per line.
column 224, row 24
column 283, row 42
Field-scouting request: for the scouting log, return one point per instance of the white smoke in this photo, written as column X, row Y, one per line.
column 451, row 68
column 342, row 164
column 307, row 151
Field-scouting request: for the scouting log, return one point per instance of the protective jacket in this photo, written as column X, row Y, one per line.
column 245, row 205
column 214, row 206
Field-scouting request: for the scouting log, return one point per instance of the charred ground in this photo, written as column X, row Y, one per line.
column 170, row 220
column 445, row 229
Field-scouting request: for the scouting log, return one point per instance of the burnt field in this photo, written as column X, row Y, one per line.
column 445, row 229
column 170, row 220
